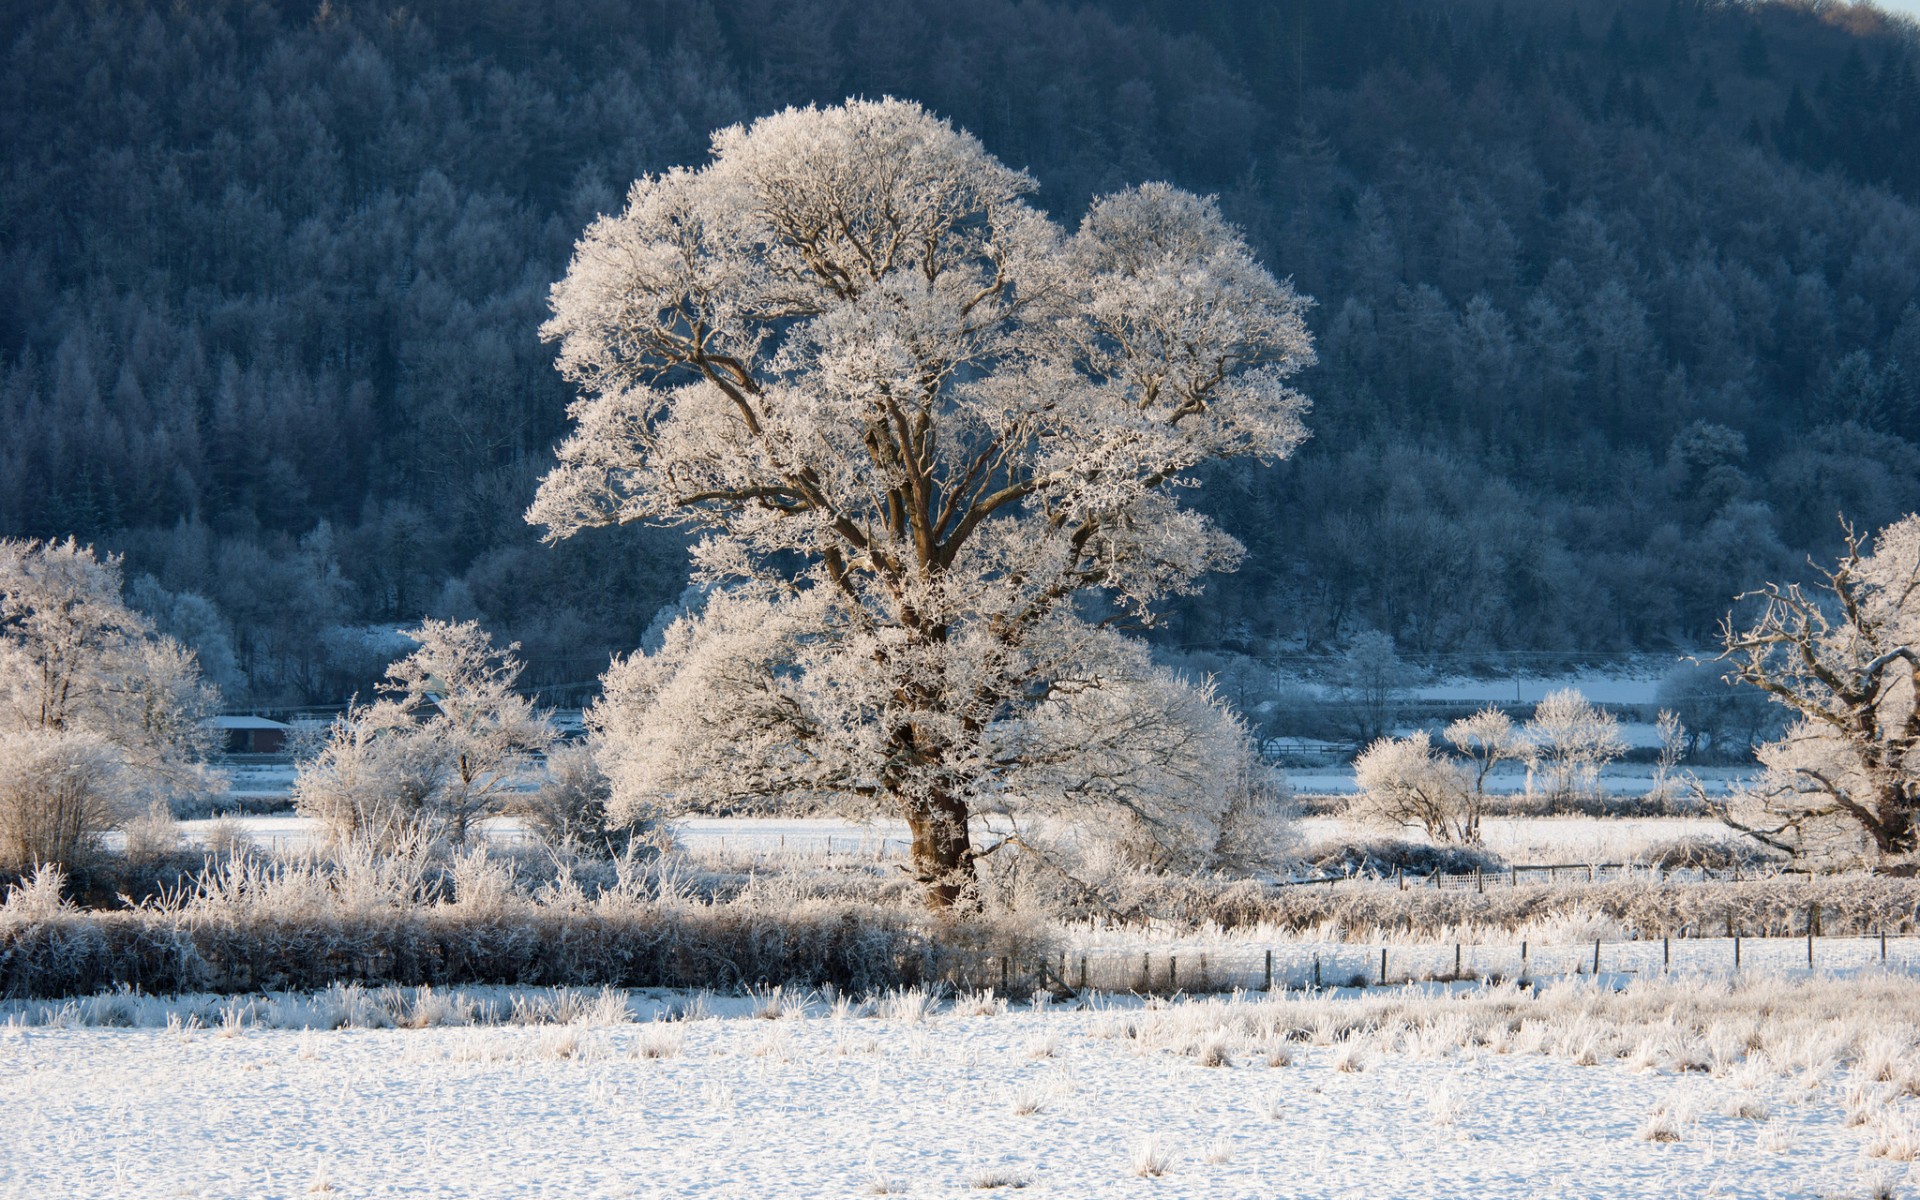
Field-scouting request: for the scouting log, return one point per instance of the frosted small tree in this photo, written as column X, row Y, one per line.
column 1371, row 680
column 1569, row 743
column 1484, row 740
column 932, row 443
column 1673, row 748
column 444, row 746
column 1410, row 782
column 101, row 717
column 1844, row 656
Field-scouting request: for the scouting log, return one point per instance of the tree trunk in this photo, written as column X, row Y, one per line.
column 942, row 850
column 1892, row 827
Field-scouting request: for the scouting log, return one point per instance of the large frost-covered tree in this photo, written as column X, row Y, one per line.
column 934, row 444
column 1844, row 656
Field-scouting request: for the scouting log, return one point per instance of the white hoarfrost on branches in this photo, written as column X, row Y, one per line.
column 448, row 743
column 1410, row 782
column 1569, row 742
column 100, row 717
column 1844, row 656
column 933, row 443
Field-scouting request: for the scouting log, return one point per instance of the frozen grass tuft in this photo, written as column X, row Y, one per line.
column 1219, row 1152
column 1670, row 1118
column 1150, row 1158
column 907, row 1005
column 1350, row 1053
column 1445, row 1104
column 778, row 1003
column 1895, row 1135
column 1861, row 1103
column 989, row 1178
column 660, row 1039
column 1043, row 1045
column 1279, row 1054
column 1212, row 1052
column 1028, row 1101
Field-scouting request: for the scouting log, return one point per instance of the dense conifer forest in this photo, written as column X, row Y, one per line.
column 1616, row 302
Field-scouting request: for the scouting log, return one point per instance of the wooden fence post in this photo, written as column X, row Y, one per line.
column 1666, row 952
column 1383, row 966
column 1173, row 973
column 1736, row 952
column 1596, row 956
column 1269, row 986
column 1316, row 972
column 1456, row 960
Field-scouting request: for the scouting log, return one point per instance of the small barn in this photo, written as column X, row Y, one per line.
column 251, row 735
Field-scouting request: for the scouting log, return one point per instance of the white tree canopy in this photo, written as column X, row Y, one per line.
column 931, row 439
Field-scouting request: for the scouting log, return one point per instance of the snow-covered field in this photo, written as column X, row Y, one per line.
column 1523, row 840
column 1290, row 1098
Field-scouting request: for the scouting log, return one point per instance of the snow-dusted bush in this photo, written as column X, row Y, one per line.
column 1385, row 857
column 58, row 792
column 1409, row 781
column 99, row 715
column 569, row 810
column 921, row 429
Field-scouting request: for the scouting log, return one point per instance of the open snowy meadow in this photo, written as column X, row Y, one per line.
column 1683, row 1088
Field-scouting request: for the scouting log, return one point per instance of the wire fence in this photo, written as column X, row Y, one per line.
column 1514, row 876
column 1297, row 966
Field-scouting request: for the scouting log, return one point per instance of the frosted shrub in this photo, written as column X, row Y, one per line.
column 569, row 809
column 59, row 792
column 153, row 834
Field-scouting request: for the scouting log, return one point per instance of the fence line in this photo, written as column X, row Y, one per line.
column 1299, row 966
column 1513, row 875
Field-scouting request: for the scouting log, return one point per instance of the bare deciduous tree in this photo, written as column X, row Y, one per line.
column 1844, row 656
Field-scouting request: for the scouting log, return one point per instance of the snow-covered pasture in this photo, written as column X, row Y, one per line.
column 1675, row 1088
column 1522, row 840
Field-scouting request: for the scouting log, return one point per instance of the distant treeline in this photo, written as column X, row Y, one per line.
column 1617, row 301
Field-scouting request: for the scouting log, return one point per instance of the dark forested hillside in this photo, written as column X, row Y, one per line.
column 1616, row 301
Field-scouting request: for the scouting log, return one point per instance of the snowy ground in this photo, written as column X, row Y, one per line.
column 1523, row 840
column 952, row 1103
